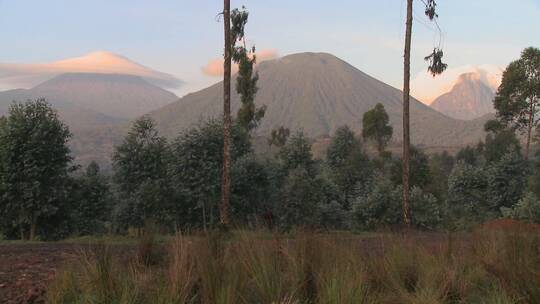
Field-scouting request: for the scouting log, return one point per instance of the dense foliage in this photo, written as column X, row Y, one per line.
column 34, row 166
column 376, row 127
column 176, row 185
column 518, row 97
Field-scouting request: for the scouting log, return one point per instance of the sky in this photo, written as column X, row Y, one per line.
column 184, row 38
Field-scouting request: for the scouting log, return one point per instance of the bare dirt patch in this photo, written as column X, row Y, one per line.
column 25, row 270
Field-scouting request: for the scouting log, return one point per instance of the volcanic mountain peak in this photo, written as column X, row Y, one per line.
column 318, row 93
column 470, row 97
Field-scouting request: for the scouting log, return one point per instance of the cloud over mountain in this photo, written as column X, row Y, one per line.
column 214, row 67
column 29, row 75
column 427, row 88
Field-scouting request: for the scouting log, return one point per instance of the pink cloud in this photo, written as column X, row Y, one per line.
column 25, row 76
column 214, row 67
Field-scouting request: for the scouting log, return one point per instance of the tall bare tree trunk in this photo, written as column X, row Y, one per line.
column 529, row 132
column 21, row 231
column 406, row 94
column 226, row 183
column 33, row 225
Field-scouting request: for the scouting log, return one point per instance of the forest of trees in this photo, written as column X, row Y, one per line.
column 210, row 176
column 177, row 184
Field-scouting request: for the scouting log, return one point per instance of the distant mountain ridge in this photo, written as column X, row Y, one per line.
column 468, row 99
column 116, row 95
column 96, row 107
column 318, row 92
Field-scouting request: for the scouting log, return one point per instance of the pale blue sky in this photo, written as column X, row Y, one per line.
column 180, row 36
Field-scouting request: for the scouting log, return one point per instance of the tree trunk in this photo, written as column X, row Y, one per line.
column 406, row 94
column 33, row 225
column 204, row 216
column 21, row 224
column 529, row 132
column 226, row 183
column 21, row 231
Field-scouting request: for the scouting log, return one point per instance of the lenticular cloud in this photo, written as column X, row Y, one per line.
column 28, row 75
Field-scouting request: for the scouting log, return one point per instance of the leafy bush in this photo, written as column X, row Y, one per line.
column 382, row 207
column 528, row 209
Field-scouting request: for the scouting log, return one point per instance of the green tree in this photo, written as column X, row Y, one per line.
column 227, row 56
column 140, row 171
column 498, row 142
column 527, row 209
column 309, row 201
column 90, row 209
column 255, row 185
column 279, row 136
column 518, row 97
column 506, row 180
column 248, row 115
column 349, row 165
column 35, row 163
column 297, row 153
column 380, row 207
column 440, row 167
column 467, row 201
column 533, row 184
column 376, row 128
column 195, row 169
column 420, row 171
column 470, row 155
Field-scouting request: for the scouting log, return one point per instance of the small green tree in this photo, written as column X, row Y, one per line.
column 440, row 167
column 381, row 207
column 527, row 209
column 309, row 201
column 506, row 181
column 253, row 190
column 248, row 115
column 420, row 172
column 472, row 155
column 297, row 153
column 376, row 127
column 499, row 141
column 467, row 201
column 279, row 136
column 196, row 170
column 35, row 163
column 533, row 184
column 348, row 163
column 90, row 209
column 518, row 97
column 140, row 171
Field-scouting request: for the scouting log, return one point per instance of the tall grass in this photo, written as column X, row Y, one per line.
column 311, row 269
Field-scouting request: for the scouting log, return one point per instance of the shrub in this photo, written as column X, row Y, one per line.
column 528, row 208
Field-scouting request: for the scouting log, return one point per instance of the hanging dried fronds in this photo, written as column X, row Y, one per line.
column 436, row 66
column 430, row 9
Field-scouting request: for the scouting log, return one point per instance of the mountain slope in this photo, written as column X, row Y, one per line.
column 469, row 98
column 96, row 107
column 318, row 93
column 122, row 96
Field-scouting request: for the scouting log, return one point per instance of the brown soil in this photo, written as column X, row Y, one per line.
column 509, row 225
column 25, row 270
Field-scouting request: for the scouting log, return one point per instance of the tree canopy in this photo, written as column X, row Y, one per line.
column 518, row 97
column 35, row 162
